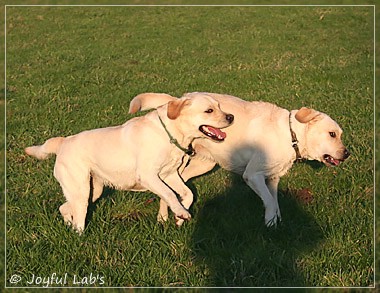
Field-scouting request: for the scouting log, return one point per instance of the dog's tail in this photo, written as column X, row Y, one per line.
column 149, row 101
column 41, row 152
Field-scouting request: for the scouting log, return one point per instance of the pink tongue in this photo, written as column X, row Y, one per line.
column 217, row 132
column 336, row 162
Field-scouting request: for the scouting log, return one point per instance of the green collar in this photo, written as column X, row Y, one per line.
column 189, row 151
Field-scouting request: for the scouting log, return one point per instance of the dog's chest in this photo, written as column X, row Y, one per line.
column 279, row 169
column 171, row 164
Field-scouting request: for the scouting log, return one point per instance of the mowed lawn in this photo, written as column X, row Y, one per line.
column 70, row 69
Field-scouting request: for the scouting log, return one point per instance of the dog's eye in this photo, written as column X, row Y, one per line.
column 332, row 134
column 209, row 111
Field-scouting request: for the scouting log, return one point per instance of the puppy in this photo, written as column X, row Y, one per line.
column 142, row 154
column 262, row 144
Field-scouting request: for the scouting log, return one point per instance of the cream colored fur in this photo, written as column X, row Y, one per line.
column 134, row 156
column 259, row 144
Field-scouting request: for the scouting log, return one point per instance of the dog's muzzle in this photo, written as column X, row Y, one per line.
column 331, row 161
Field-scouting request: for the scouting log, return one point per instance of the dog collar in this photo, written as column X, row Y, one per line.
column 189, row 151
column 295, row 141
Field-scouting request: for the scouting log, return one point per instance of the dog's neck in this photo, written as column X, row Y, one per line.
column 175, row 138
column 298, row 138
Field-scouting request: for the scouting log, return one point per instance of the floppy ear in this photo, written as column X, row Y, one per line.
column 175, row 108
column 134, row 106
column 305, row 115
column 147, row 101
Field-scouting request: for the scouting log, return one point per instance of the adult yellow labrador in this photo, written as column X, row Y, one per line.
column 262, row 144
column 144, row 153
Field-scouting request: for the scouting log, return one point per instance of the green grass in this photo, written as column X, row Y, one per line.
column 76, row 68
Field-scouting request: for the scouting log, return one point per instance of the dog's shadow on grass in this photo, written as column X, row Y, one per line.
column 92, row 206
column 238, row 250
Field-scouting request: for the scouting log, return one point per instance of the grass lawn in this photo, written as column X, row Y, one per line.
column 75, row 68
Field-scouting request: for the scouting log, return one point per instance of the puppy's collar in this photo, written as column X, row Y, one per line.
column 189, row 151
column 295, row 141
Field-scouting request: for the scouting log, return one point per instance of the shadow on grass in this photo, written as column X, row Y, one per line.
column 92, row 206
column 231, row 240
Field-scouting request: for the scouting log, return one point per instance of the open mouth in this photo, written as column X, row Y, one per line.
column 212, row 132
column 331, row 161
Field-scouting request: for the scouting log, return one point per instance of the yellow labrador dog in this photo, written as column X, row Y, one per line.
column 142, row 154
column 262, row 144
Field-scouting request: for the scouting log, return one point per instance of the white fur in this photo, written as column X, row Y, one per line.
column 259, row 144
column 134, row 156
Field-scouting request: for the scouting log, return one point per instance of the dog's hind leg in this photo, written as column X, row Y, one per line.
column 75, row 209
column 76, row 188
column 97, row 188
column 66, row 213
column 77, row 203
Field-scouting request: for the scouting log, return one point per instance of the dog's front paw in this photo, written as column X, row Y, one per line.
column 272, row 218
column 181, row 217
column 161, row 218
column 185, row 215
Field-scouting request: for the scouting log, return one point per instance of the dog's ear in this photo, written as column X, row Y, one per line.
column 147, row 101
column 175, row 108
column 306, row 115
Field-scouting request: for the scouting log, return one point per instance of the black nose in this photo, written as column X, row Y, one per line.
column 346, row 154
column 230, row 118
